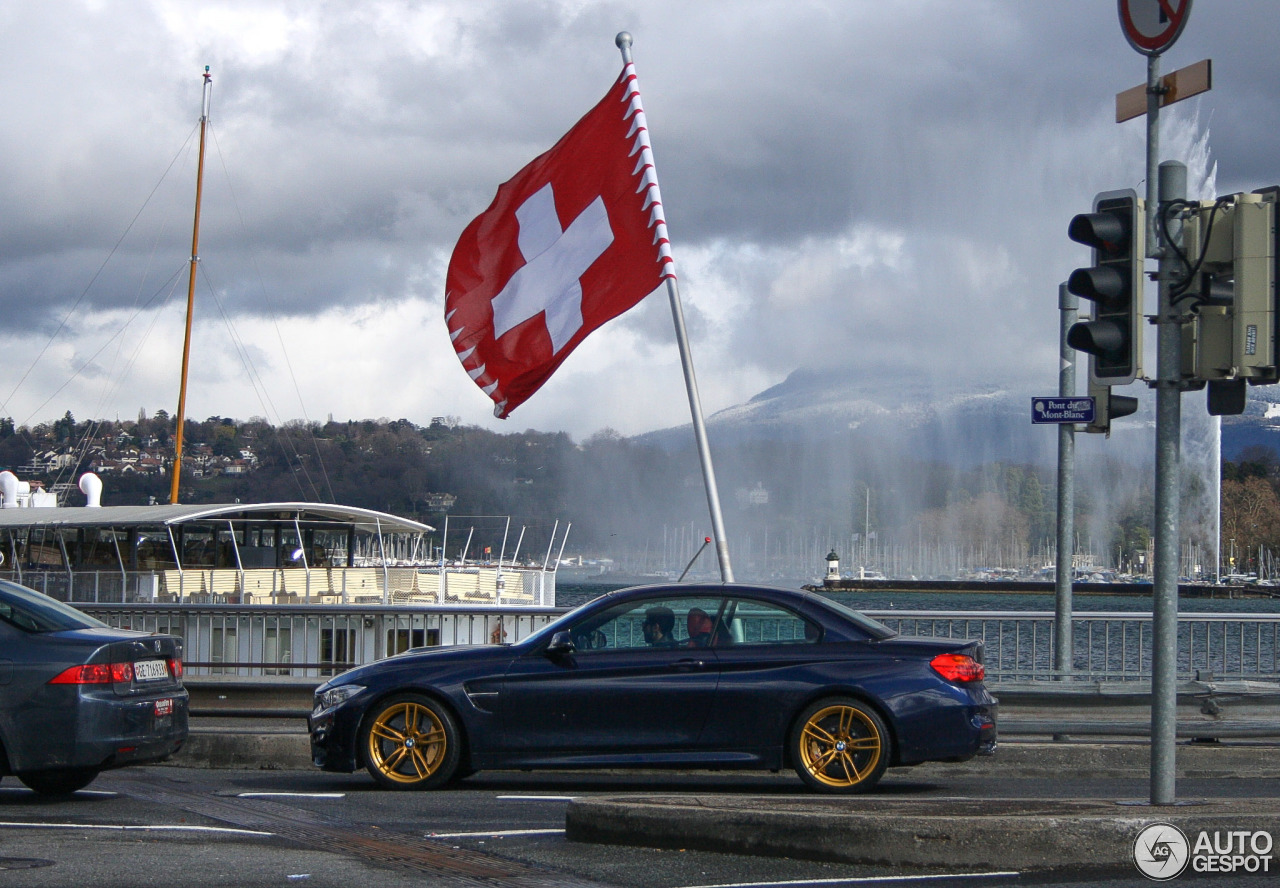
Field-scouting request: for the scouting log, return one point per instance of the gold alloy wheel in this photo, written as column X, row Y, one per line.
column 840, row 746
column 407, row 742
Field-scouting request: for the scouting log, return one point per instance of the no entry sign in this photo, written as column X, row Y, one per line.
column 1151, row 26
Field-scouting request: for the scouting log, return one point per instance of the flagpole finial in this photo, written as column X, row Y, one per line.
column 623, row 40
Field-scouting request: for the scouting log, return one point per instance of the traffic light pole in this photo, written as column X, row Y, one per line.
column 1164, row 650
column 1069, row 307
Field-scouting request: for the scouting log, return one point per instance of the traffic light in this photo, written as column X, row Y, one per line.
column 1232, row 269
column 1116, row 230
column 1230, row 246
column 1107, row 407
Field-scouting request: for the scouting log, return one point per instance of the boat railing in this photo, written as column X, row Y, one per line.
column 395, row 586
column 315, row 641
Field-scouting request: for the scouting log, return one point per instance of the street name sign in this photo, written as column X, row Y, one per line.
column 1059, row 410
column 1152, row 26
column 1181, row 84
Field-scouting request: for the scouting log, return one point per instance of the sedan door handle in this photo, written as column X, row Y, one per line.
column 688, row 664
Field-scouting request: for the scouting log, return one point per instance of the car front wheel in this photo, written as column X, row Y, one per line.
column 58, row 782
column 410, row 742
column 840, row 745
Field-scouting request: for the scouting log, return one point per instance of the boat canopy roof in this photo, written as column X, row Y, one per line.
column 364, row 520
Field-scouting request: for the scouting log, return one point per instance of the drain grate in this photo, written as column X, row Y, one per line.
column 311, row 829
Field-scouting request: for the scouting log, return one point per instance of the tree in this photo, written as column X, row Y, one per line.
column 64, row 430
column 1250, row 519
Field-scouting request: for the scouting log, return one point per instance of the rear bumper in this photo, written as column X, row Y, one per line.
column 985, row 720
column 960, row 724
column 115, row 731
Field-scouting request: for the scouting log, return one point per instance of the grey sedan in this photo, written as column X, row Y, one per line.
column 78, row 697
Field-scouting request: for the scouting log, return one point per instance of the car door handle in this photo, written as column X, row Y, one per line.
column 688, row 664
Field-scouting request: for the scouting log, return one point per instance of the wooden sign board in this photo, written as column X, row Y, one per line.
column 1181, row 84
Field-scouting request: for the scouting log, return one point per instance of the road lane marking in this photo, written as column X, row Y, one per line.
column 496, row 834
column 17, row 824
column 291, row 795
column 864, row 880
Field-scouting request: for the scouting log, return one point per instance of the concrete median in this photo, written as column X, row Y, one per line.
column 1011, row 834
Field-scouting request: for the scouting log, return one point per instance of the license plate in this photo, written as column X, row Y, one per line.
column 150, row 670
column 164, row 707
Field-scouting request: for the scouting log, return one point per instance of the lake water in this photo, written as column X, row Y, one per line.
column 572, row 594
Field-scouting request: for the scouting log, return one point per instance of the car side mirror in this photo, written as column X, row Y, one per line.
column 561, row 645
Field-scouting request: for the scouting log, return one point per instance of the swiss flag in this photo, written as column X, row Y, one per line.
column 572, row 241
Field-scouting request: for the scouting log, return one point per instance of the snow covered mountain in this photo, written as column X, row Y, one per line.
column 961, row 423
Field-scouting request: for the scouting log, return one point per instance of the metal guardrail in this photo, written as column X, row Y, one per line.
column 1107, row 646
column 256, row 662
column 320, row 640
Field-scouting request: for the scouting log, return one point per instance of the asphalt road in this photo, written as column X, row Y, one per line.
column 166, row 826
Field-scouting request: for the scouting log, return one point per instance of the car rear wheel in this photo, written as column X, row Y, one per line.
column 58, row 782
column 410, row 742
column 840, row 745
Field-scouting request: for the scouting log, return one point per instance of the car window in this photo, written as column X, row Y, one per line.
column 864, row 623
column 758, row 622
column 32, row 611
column 650, row 624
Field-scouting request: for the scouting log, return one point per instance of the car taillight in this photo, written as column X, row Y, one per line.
column 95, row 673
column 958, row 668
column 175, row 667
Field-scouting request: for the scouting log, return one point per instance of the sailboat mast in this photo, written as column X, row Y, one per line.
column 191, row 292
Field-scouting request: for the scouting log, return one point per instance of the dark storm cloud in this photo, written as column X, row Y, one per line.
column 838, row 176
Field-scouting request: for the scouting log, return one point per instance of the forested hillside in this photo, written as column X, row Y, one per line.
column 786, row 502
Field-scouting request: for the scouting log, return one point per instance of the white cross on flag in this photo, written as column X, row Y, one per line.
column 572, row 241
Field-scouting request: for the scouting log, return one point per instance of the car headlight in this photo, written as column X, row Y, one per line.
column 335, row 696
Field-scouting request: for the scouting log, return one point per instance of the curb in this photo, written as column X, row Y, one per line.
column 1116, row 760
column 247, row 750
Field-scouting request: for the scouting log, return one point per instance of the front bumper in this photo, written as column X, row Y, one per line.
column 333, row 740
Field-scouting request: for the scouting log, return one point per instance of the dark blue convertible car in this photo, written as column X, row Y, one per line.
column 711, row 676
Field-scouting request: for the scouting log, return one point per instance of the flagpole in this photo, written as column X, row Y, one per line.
column 623, row 41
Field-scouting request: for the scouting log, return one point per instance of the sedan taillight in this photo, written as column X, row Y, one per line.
column 95, row 673
column 175, row 667
column 958, row 668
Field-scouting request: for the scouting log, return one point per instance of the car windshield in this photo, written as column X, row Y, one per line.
column 863, row 622
column 560, row 622
column 31, row 611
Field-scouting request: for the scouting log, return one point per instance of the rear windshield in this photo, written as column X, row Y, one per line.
column 31, row 611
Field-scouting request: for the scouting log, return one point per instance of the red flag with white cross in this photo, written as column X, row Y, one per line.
column 573, row 240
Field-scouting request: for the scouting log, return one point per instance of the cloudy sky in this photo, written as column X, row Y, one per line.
column 882, row 188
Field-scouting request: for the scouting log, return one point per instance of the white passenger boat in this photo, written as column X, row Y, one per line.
column 239, row 553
